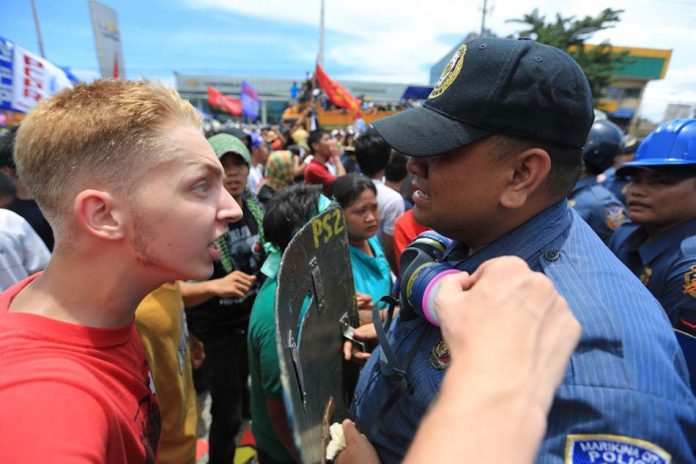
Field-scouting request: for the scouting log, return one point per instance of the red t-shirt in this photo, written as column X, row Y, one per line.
column 317, row 173
column 70, row 393
column 405, row 230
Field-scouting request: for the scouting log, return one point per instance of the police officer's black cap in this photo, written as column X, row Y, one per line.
column 497, row 86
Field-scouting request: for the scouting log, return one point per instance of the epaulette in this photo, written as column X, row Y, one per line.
column 688, row 246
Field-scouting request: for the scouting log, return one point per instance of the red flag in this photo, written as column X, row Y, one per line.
column 337, row 94
column 116, row 72
column 229, row 104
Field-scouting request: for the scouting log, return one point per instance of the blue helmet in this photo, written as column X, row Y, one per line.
column 673, row 144
column 604, row 143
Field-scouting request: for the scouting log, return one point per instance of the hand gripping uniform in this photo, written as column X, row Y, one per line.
column 667, row 266
column 625, row 396
column 597, row 206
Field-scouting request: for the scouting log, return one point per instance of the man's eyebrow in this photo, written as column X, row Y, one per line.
column 210, row 167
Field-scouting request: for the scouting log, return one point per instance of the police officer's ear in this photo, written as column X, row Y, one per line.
column 528, row 169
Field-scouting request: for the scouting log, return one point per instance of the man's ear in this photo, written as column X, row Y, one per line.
column 101, row 214
column 528, row 170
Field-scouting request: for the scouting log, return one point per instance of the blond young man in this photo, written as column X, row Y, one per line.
column 134, row 195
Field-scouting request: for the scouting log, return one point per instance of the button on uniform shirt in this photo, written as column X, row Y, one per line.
column 597, row 206
column 625, row 391
column 667, row 267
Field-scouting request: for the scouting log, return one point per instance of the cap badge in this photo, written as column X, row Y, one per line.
column 450, row 73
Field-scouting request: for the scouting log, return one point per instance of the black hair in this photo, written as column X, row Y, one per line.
column 396, row 171
column 288, row 211
column 371, row 152
column 566, row 162
column 314, row 137
column 7, row 137
column 7, row 187
column 346, row 189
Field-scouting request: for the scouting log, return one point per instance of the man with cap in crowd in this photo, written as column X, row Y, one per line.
column 659, row 245
column 259, row 156
column 592, row 201
column 218, row 309
column 495, row 150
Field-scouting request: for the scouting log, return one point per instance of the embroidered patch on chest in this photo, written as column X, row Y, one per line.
column 600, row 449
column 439, row 356
column 690, row 282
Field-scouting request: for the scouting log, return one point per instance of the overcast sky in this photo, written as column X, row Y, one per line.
column 387, row 40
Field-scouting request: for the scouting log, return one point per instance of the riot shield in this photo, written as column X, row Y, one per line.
column 315, row 305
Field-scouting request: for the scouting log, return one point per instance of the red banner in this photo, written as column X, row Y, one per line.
column 229, row 104
column 337, row 94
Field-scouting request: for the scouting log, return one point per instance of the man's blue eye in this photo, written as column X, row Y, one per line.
column 201, row 187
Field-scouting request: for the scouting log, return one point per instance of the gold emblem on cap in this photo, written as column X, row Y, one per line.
column 450, row 73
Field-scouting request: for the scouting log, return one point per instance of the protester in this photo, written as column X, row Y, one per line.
column 116, row 192
column 280, row 174
column 372, row 153
column 23, row 202
column 22, row 252
column 595, row 204
column 659, row 245
column 316, row 171
column 218, row 309
column 259, row 157
column 287, row 212
column 357, row 195
column 161, row 324
column 494, row 151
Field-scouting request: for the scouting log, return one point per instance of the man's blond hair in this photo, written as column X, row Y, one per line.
column 96, row 135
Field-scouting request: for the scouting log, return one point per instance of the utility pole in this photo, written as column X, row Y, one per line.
column 38, row 29
column 484, row 11
column 320, row 55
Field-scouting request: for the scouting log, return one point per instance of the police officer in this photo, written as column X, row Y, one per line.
column 495, row 150
column 659, row 245
column 592, row 201
column 609, row 179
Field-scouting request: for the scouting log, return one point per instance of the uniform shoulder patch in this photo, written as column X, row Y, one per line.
column 614, row 216
column 601, row 448
column 690, row 282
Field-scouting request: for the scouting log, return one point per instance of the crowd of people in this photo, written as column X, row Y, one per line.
column 139, row 260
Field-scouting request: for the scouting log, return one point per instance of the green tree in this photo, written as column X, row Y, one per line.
column 599, row 61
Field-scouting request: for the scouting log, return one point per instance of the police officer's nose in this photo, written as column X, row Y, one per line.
column 418, row 167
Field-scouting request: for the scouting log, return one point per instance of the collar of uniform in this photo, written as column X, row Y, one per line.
column 526, row 241
column 654, row 248
column 583, row 183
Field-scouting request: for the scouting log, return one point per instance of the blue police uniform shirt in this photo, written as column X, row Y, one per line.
column 667, row 266
column 616, row 185
column 625, row 391
column 597, row 206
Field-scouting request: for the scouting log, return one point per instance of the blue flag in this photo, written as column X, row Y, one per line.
column 250, row 101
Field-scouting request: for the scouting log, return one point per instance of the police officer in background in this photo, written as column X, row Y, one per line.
column 591, row 200
column 659, row 245
column 617, row 185
column 495, row 150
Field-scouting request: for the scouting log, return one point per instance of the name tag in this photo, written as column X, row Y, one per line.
column 613, row 449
